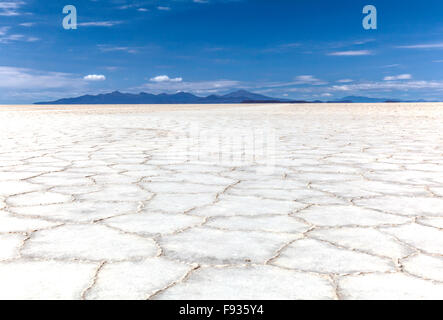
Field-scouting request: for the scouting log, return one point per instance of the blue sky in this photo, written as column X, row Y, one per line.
column 299, row 49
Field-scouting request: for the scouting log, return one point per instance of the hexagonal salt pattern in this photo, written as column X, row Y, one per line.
column 250, row 283
column 428, row 267
column 220, row 247
column 321, row 257
column 335, row 216
column 11, row 223
column 424, row 238
column 366, row 240
column 136, row 280
column 88, row 242
column 110, row 202
column 389, row 286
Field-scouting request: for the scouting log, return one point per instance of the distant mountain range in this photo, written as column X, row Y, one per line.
column 358, row 99
column 240, row 96
column 117, row 97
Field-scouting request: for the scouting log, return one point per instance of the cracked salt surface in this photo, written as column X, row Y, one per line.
column 348, row 215
column 106, row 202
column 312, row 255
column 250, row 283
column 211, row 246
column 153, row 223
column 390, row 286
column 136, row 280
column 10, row 223
column 88, row 242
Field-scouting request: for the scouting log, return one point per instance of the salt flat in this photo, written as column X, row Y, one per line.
column 221, row 202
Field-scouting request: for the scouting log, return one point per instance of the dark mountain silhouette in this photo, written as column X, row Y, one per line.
column 240, row 96
column 117, row 97
column 358, row 99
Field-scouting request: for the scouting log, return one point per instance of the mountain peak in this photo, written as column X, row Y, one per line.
column 246, row 95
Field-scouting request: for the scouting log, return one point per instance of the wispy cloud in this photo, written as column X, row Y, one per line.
column 22, row 78
column 27, row 24
column 391, row 66
column 24, row 85
column 389, row 85
column 4, row 30
column 399, row 77
column 282, row 48
column 360, row 42
column 6, row 37
column 100, row 23
column 345, row 81
column 308, row 79
column 303, row 80
column 10, row 8
column 423, row 46
column 162, row 8
column 105, row 48
column 351, row 53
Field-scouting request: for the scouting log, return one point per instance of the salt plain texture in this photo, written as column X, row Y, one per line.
column 222, row 202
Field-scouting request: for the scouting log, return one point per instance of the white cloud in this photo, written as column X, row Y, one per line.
column 99, row 24
column 360, row 42
column 4, row 30
column 404, row 86
column 5, row 37
column 351, row 53
column 12, row 37
column 126, row 6
column 165, row 78
column 399, row 77
column 10, row 8
column 105, row 48
column 21, row 85
column 307, row 78
column 27, row 24
column 345, row 81
column 423, row 46
column 163, row 8
column 94, row 77
column 28, row 79
column 391, row 66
